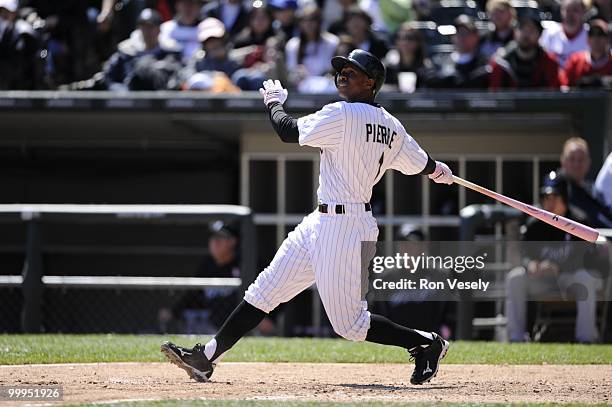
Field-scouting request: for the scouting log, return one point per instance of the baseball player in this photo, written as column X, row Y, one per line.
column 359, row 140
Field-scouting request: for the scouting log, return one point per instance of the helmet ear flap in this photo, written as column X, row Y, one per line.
column 336, row 79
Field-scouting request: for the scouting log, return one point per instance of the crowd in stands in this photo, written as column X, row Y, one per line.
column 233, row 45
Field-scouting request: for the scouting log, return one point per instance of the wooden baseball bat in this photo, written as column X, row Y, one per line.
column 567, row 225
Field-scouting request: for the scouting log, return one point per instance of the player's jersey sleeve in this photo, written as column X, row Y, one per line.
column 323, row 129
column 411, row 158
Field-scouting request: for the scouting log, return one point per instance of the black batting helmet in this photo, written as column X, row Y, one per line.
column 365, row 62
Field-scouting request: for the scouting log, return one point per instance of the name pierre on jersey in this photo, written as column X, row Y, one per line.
column 379, row 134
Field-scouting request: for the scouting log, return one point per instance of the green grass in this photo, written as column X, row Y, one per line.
column 26, row 349
column 262, row 403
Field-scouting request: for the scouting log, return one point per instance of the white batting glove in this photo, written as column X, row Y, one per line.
column 442, row 174
column 273, row 91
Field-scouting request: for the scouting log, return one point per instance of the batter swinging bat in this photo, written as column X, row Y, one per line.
column 565, row 224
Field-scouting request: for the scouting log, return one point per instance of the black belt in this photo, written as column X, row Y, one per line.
column 339, row 209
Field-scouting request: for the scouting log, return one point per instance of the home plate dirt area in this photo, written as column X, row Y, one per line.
column 334, row 382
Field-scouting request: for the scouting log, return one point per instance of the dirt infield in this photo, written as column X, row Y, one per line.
column 320, row 382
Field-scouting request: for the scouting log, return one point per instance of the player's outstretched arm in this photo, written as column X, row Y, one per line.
column 274, row 95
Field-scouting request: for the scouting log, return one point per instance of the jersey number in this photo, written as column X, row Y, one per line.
column 380, row 162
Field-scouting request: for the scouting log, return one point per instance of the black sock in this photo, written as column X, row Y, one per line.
column 386, row 332
column 244, row 318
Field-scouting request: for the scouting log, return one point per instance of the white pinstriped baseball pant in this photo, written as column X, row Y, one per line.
column 325, row 248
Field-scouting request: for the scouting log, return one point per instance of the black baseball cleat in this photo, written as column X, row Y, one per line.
column 427, row 359
column 191, row 360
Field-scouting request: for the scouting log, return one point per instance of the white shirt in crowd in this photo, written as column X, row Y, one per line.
column 185, row 36
column 555, row 41
column 317, row 56
column 603, row 183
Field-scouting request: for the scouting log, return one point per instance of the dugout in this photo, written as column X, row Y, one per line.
column 192, row 148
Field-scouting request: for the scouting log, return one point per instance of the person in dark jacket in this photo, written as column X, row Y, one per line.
column 232, row 13
column 523, row 63
column 562, row 267
column 468, row 67
column 358, row 24
column 503, row 16
column 142, row 62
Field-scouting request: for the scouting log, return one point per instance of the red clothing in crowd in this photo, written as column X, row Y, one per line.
column 580, row 65
column 508, row 71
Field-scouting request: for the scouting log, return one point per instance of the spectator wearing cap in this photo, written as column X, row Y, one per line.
column 204, row 311
column 586, row 68
column 468, row 67
column 307, row 56
column 19, row 66
column 183, row 29
column 142, row 62
column 523, row 63
column 283, row 12
column 358, row 25
column 548, row 267
column 503, row 16
column 409, row 57
column 232, row 13
column 575, row 165
column 569, row 36
column 212, row 60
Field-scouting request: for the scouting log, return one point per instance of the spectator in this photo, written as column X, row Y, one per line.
column 603, row 183
column 264, row 63
column 468, row 67
column 569, row 36
column 212, row 61
column 586, row 68
column 338, row 26
column 205, row 311
column 408, row 57
column 20, row 67
column 232, row 13
column 308, row 56
column 503, row 16
column 141, row 62
column 550, row 267
column 575, row 165
column 523, row 63
column 258, row 30
column 283, row 12
column 183, row 29
column 358, row 24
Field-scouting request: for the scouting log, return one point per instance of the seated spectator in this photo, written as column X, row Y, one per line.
column 20, row 67
column 523, row 63
column 550, row 267
column 213, row 56
column 569, row 36
column 258, row 30
column 603, row 183
column 575, row 165
column 232, row 13
column 308, row 55
column 142, row 62
column 262, row 63
column 357, row 25
column 408, row 57
column 468, row 67
column 586, row 68
column 283, row 12
column 338, row 25
column 503, row 16
column 183, row 29
column 204, row 311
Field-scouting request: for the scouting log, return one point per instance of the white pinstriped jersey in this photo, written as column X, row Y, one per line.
column 358, row 143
